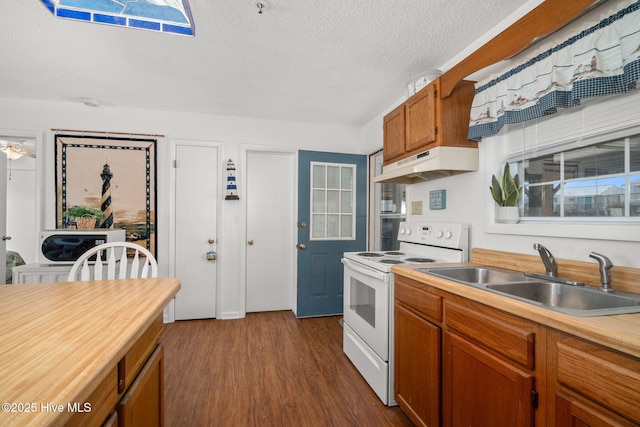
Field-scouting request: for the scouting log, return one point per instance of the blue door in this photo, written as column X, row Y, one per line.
column 332, row 219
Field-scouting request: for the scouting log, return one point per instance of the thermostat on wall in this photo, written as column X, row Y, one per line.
column 437, row 199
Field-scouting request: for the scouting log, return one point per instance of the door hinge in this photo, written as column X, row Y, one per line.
column 534, row 399
column 175, row 164
column 435, row 130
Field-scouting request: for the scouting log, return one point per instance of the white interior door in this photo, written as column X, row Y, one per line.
column 3, row 219
column 197, row 183
column 270, row 227
column 18, row 209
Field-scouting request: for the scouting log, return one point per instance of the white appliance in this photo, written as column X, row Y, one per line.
column 368, row 295
column 65, row 246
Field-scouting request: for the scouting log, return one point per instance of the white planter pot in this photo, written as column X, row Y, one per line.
column 507, row 214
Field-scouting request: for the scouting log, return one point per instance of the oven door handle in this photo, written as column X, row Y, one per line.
column 367, row 271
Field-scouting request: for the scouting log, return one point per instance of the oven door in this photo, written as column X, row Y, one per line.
column 366, row 305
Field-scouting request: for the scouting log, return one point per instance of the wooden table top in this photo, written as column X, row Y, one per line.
column 58, row 341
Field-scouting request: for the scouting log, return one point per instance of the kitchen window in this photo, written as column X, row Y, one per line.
column 598, row 182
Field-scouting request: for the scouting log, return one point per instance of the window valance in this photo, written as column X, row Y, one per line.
column 603, row 59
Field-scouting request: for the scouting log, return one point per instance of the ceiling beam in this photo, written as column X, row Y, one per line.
column 546, row 18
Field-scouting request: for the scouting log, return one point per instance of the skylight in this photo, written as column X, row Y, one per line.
column 165, row 16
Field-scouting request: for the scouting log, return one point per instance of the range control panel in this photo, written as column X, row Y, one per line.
column 445, row 234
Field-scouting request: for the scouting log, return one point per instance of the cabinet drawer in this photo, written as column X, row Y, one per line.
column 417, row 298
column 510, row 336
column 131, row 363
column 605, row 376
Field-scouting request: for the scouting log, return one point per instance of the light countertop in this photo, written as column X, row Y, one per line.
column 58, row 341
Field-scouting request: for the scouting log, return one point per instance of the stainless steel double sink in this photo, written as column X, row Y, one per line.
column 549, row 292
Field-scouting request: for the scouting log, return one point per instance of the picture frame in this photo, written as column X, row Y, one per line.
column 116, row 175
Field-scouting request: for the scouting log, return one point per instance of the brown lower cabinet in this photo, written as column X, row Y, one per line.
column 143, row 403
column 417, row 378
column 132, row 395
column 575, row 411
column 596, row 386
column 461, row 363
column 482, row 389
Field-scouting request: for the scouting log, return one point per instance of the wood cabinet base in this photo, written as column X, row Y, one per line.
column 143, row 403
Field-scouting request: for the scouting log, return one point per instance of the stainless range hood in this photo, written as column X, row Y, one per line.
column 435, row 163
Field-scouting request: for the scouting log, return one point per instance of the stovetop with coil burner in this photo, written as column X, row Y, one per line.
column 420, row 243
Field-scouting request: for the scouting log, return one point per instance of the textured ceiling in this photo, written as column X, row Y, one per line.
column 334, row 61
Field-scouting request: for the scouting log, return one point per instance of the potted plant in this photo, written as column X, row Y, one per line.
column 85, row 216
column 506, row 193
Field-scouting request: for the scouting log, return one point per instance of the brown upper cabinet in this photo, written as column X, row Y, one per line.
column 427, row 120
column 394, row 134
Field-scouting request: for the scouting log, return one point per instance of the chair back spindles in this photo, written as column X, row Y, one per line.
column 125, row 269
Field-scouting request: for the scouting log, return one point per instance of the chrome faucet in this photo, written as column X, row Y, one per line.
column 605, row 276
column 547, row 259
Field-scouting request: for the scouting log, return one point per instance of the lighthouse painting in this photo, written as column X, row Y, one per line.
column 107, row 214
column 115, row 175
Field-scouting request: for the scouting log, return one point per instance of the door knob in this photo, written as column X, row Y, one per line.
column 6, row 238
column 211, row 241
column 303, row 224
column 301, row 246
column 250, row 242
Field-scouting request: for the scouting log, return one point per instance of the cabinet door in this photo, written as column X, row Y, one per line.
column 481, row 389
column 613, row 378
column 143, row 403
column 576, row 412
column 417, row 367
column 421, row 119
column 394, row 134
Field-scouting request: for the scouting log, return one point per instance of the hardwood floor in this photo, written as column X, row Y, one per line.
column 268, row 369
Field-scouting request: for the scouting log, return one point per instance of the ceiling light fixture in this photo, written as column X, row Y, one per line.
column 260, row 7
column 164, row 16
column 11, row 152
column 14, row 150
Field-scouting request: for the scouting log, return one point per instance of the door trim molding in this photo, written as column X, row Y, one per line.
column 245, row 149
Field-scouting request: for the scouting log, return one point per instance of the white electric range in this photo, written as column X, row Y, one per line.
column 368, row 295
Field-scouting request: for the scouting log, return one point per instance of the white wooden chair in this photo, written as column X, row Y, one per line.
column 82, row 269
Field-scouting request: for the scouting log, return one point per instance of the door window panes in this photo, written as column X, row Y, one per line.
column 333, row 226
column 333, row 177
column 332, row 201
column 319, row 176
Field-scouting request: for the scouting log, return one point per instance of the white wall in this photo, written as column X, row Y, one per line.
column 230, row 132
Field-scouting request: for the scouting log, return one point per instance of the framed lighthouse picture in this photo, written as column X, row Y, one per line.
column 115, row 177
